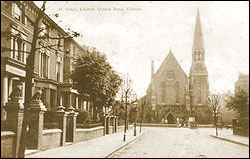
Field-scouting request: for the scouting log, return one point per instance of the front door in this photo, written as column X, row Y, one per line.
column 170, row 118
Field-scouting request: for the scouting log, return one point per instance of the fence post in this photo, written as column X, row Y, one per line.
column 71, row 127
column 15, row 112
column 36, row 112
column 61, row 118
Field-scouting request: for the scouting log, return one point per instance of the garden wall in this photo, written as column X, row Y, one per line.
column 88, row 134
column 51, row 138
column 7, row 144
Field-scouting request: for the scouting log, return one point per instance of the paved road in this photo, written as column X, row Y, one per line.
column 181, row 143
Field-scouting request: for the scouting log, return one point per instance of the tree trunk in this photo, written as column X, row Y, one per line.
column 28, row 86
column 141, row 119
column 215, row 121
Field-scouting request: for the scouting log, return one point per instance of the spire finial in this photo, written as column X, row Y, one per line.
column 198, row 43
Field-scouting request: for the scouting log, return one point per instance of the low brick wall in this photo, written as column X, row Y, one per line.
column 88, row 134
column 51, row 138
column 156, row 125
column 205, row 126
column 121, row 128
column 7, row 144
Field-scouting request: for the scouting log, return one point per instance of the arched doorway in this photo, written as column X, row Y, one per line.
column 170, row 118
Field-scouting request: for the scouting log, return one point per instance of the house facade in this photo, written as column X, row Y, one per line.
column 53, row 58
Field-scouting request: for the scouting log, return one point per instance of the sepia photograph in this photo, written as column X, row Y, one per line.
column 124, row 79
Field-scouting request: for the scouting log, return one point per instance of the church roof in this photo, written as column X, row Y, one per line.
column 198, row 43
column 168, row 57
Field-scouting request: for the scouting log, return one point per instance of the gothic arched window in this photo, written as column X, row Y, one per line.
column 199, row 96
column 177, row 91
column 163, row 92
column 199, row 56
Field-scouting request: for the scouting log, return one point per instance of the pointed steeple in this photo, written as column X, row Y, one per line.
column 198, row 43
column 152, row 70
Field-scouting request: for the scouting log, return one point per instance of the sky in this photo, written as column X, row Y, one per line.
column 131, row 34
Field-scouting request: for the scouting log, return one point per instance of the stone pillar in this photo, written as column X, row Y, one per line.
column 76, row 102
column 69, row 100
column 10, row 85
column 4, row 98
column 36, row 117
column 60, row 99
column 15, row 112
column 71, row 125
column 61, row 118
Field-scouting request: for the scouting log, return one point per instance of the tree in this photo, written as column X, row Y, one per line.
column 213, row 102
column 35, row 21
column 95, row 79
column 239, row 103
column 126, row 99
column 143, row 104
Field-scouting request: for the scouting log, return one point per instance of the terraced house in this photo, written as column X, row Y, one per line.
column 54, row 57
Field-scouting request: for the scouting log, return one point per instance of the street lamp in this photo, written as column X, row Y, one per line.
column 125, row 124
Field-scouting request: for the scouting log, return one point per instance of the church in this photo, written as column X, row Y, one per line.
column 172, row 94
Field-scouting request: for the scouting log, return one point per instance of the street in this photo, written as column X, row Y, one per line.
column 181, row 143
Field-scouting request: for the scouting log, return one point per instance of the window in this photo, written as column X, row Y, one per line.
column 58, row 69
column 45, row 31
column 16, row 12
column 58, row 41
column 24, row 52
column 177, row 91
column 44, row 63
column 18, row 46
column 199, row 56
column 163, row 92
column 199, row 97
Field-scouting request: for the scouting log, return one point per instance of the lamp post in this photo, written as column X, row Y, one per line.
column 125, row 125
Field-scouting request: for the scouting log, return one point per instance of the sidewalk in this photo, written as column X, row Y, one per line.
column 95, row 148
column 227, row 134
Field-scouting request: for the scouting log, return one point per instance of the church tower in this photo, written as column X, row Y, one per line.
column 199, row 86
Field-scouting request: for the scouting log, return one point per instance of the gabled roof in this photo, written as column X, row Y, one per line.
column 168, row 57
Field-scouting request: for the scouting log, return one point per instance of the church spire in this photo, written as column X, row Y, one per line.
column 198, row 43
column 152, row 70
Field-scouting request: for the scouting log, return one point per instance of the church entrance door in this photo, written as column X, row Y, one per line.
column 170, row 118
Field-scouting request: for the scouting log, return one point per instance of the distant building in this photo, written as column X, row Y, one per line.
column 226, row 115
column 175, row 95
column 242, row 83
